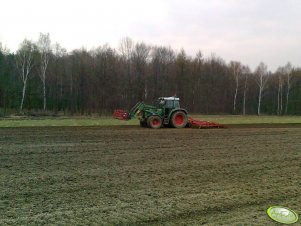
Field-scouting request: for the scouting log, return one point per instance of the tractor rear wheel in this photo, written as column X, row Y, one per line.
column 154, row 122
column 179, row 119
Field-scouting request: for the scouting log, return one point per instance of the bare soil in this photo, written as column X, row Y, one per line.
column 136, row 176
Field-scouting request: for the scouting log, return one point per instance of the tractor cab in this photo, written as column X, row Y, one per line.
column 168, row 104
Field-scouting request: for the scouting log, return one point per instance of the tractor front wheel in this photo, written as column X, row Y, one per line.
column 154, row 122
column 179, row 119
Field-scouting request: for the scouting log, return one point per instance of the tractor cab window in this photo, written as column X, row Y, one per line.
column 177, row 104
column 172, row 104
column 169, row 104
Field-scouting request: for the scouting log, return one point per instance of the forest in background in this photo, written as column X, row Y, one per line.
column 43, row 77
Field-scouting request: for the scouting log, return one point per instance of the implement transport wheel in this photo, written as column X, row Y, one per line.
column 143, row 123
column 179, row 119
column 154, row 122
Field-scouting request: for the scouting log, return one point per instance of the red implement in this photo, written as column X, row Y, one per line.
column 201, row 124
column 121, row 114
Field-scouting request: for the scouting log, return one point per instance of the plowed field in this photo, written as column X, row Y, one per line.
column 135, row 176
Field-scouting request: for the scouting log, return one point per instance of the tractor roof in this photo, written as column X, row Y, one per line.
column 169, row 98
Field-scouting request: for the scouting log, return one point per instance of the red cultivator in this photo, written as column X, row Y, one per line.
column 203, row 124
column 121, row 114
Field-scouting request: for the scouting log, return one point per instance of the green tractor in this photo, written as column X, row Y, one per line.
column 166, row 113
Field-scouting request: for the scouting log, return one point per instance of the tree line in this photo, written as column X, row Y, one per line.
column 44, row 77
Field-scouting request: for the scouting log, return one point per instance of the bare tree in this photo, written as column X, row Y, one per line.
column 140, row 59
column 4, row 50
column 261, row 78
column 288, row 73
column 181, row 73
column 24, row 62
column 59, row 55
column 161, row 72
column 126, row 48
column 246, row 72
column 280, row 74
column 236, row 68
column 44, row 50
column 198, row 73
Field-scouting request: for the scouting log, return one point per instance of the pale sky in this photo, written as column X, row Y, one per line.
column 248, row 31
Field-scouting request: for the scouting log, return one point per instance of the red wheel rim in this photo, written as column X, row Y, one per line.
column 179, row 120
column 156, row 122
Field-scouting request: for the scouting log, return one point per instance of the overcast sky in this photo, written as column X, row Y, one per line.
column 248, row 31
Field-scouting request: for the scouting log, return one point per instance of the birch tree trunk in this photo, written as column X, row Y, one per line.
column 236, row 69
column 24, row 63
column 279, row 95
column 261, row 80
column 287, row 92
column 126, row 48
column 259, row 101
column 288, row 72
column 23, row 96
column 278, row 101
column 44, row 94
column 245, row 94
column 235, row 96
column 44, row 48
